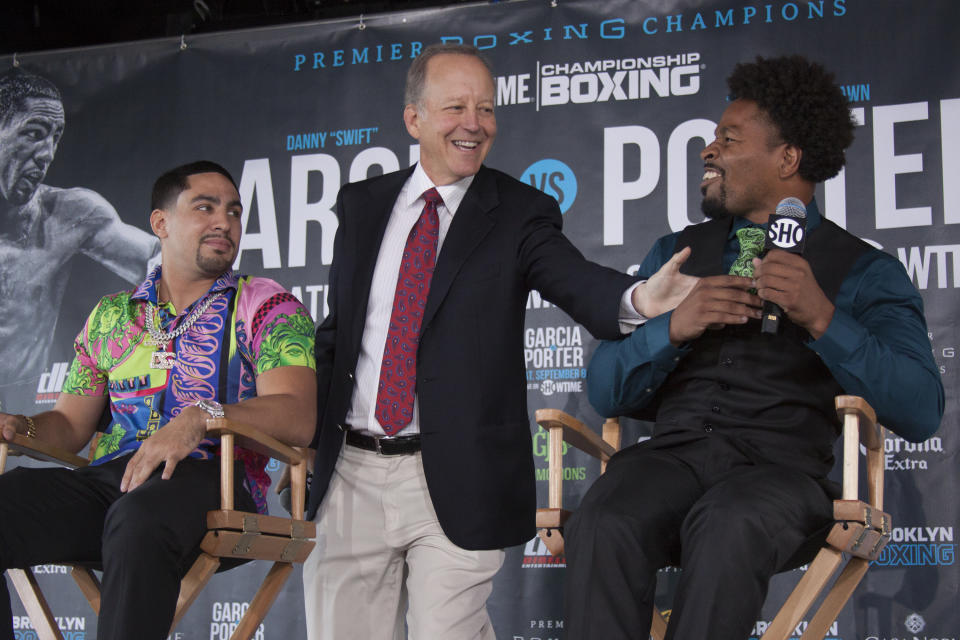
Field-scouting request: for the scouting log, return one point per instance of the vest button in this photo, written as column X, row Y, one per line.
column 727, row 362
column 708, row 427
column 724, row 386
column 715, row 409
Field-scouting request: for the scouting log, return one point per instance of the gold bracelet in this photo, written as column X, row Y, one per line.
column 31, row 427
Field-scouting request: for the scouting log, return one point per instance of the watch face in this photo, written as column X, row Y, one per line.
column 215, row 409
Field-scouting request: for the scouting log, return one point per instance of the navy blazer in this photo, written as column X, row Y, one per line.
column 504, row 240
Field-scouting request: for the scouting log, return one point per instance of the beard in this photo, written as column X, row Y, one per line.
column 215, row 265
column 215, row 262
column 715, row 207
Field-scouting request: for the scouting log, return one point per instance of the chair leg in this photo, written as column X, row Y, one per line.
column 196, row 579
column 836, row 598
column 89, row 585
column 35, row 604
column 814, row 580
column 266, row 594
column 658, row 627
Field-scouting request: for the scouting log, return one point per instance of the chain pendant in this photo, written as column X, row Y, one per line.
column 162, row 360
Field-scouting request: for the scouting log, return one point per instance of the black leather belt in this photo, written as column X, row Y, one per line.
column 384, row 445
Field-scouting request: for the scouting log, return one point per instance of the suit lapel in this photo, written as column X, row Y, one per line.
column 470, row 225
column 370, row 221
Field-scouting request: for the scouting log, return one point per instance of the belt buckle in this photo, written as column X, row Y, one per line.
column 376, row 442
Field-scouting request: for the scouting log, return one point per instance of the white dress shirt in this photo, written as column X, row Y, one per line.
column 406, row 212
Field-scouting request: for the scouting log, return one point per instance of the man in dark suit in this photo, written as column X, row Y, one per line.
column 423, row 376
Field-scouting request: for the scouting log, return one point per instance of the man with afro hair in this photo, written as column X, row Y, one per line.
column 734, row 479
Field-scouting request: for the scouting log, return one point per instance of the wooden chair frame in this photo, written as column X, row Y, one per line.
column 860, row 531
column 231, row 534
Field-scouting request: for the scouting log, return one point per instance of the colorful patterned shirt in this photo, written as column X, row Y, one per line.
column 253, row 326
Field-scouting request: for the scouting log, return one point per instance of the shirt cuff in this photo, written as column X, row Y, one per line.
column 843, row 337
column 629, row 317
column 662, row 352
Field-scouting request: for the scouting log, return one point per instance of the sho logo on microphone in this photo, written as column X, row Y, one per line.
column 786, row 233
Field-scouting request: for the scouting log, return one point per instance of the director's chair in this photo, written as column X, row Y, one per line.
column 235, row 536
column 859, row 533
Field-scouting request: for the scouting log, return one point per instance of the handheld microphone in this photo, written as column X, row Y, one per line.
column 786, row 230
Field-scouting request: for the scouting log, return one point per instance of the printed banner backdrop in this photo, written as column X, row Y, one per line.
column 604, row 105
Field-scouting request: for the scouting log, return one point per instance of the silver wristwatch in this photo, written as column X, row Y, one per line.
column 214, row 408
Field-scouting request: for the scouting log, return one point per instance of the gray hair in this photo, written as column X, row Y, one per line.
column 417, row 74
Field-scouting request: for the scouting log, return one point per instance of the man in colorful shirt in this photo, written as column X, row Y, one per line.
column 193, row 341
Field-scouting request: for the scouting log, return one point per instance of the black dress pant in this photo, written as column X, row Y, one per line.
column 693, row 500
column 145, row 540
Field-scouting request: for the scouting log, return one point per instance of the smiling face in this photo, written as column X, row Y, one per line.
column 742, row 166
column 454, row 123
column 201, row 231
column 28, row 141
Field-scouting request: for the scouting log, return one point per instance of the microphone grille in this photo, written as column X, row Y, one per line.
column 792, row 208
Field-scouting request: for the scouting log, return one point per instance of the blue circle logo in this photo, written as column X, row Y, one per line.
column 555, row 179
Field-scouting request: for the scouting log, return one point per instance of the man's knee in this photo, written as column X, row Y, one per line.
column 134, row 521
column 15, row 503
column 724, row 535
column 597, row 525
column 756, row 526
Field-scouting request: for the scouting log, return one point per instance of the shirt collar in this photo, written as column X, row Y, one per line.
column 813, row 220
column 148, row 288
column 452, row 194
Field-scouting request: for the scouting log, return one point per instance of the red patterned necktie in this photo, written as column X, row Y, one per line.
column 398, row 371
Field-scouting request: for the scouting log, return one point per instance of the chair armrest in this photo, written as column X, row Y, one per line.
column 233, row 433
column 294, row 478
column 563, row 427
column 870, row 433
column 576, row 433
column 284, row 481
column 250, row 437
column 860, row 427
column 39, row 450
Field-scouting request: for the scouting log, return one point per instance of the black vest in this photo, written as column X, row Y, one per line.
column 771, row 395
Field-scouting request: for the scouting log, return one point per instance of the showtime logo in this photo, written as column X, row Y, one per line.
column 537, row 556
